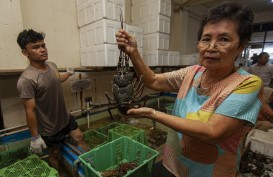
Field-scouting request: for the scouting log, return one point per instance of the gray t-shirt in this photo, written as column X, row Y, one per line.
column 265, row 72
column 45, row 87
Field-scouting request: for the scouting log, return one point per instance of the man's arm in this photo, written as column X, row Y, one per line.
column 37, row 144
column 69, row 72
column 64, row 77
column 30, row 109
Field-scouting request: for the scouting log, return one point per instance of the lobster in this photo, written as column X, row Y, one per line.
column 126, row 89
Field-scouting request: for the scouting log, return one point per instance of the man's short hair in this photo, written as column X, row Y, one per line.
column 27, row 36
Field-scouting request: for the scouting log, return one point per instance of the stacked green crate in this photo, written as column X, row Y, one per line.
column 94, row 138
column 111, row 155
column 129, row 131
column 31, row 166
column 105, row 129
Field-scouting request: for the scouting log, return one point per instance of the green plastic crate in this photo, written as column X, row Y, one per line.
column 31, row 166
column 104, row 130
column 94, row 138
column 129, row 131
column 121, row 150
column 10, row 156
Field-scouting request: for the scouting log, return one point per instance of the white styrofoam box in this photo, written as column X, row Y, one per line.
column 107, row 54
column 100, row 55
column 149, row 8
column 156, row 23
column 135, row 2
column 88, row 56
column 80, row 2
column 173, row 58
column 137, row 32
column 190, row 59
column 155, row 57
column 99, row 32
column 261, row 142
column 156, row 41
column 186, row 60
column 195, row 58
column 94, row 10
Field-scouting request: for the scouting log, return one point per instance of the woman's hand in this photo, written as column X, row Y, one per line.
column 126, row 42
column 142, row 112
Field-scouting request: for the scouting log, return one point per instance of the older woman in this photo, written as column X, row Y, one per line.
column 215, row 100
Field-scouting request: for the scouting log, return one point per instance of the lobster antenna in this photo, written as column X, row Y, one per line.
column 121, row 19
column 121, row 54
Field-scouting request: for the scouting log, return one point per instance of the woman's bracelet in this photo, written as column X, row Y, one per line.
column 154, row 112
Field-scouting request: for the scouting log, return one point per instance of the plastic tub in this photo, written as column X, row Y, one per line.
column 112, row 154
column 129, row 131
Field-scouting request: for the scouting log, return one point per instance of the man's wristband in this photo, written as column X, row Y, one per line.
column 35, row 137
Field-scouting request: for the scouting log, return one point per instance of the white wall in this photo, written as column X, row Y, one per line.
column 58, row 20
column 10, row 26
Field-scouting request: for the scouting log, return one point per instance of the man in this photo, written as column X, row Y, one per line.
column 254, row 58
column 263, row 69
column 40, row 89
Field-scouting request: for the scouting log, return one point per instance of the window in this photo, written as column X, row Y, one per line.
column 261, row 41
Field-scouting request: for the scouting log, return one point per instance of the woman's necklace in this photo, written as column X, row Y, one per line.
column 206, row 84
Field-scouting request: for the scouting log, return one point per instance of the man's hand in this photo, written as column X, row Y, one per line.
column 70, row 71
column 37, row 145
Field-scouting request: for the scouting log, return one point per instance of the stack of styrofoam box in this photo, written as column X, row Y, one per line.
column 190, row 59
column 98, row 21
column 261, row 142
column 153, row 16
column 195, row 58
column 173, row 58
